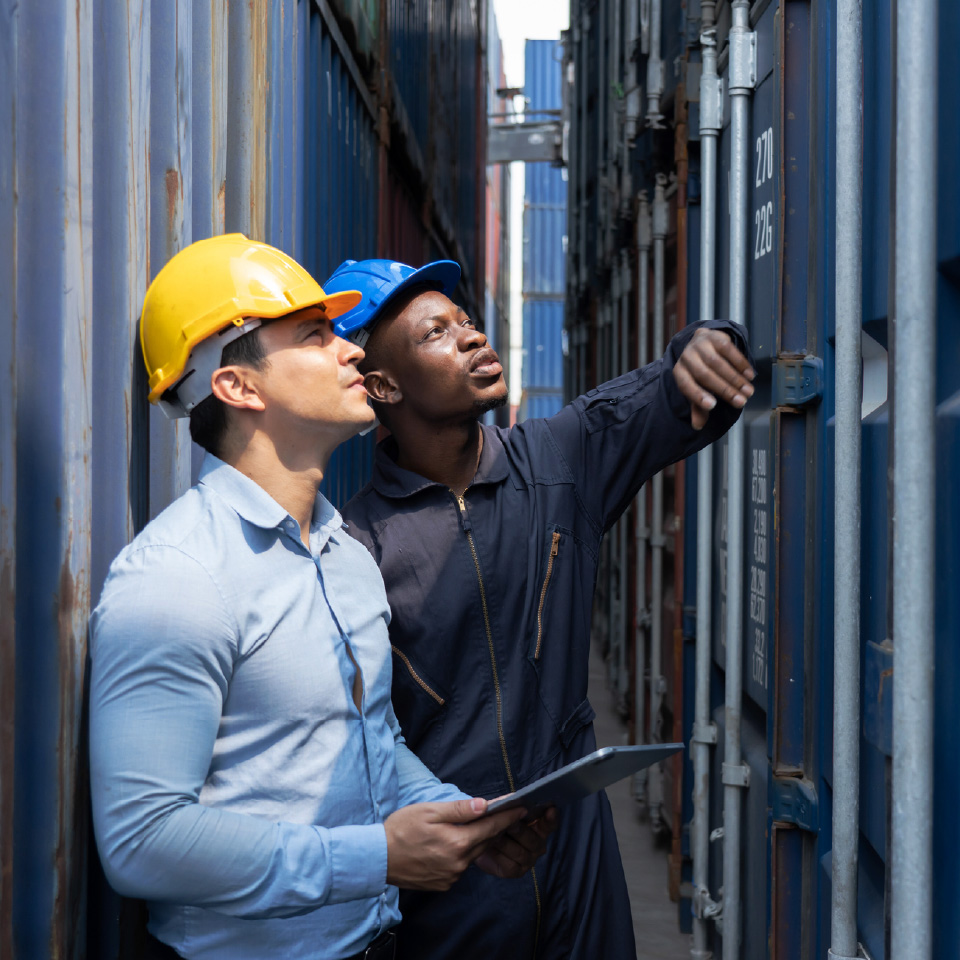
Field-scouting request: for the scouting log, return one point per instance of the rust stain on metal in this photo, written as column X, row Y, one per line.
column 173, row 184
column 70, row 852
column 884, row 676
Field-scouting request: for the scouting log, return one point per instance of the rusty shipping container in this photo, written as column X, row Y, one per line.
column 132, row 128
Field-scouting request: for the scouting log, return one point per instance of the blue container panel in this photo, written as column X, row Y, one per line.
column 544, row 250
column 542, row 344
column 542, row 74
column 545, row 185
column 408, row 32
column 540, row 405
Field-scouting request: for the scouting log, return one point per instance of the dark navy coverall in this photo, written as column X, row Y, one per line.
column 491, row 597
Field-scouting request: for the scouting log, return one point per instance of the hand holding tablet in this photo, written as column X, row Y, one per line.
column 584, row 776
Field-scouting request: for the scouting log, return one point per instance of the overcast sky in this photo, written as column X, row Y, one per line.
column 519, row 20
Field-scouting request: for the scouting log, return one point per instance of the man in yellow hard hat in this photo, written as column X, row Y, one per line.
column 248, row 774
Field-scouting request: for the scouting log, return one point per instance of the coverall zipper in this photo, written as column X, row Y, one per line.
column 554, row 549
column 413, row 673
column 465, row 523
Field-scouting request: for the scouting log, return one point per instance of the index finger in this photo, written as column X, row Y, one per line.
column 494, row 823
column 729, row 351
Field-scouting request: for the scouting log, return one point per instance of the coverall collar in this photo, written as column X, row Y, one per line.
column 389, row 480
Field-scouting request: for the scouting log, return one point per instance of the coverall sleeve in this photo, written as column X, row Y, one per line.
column 618, row 435
column 163, row 646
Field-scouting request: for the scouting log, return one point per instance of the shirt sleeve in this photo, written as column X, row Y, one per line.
column 415, row 781
column 163, row 645
column 618, row 435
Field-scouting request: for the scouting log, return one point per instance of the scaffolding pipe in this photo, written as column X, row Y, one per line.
column 657, row 540
column 655, row 68
column 704, row 730
column 846, row 593
column 644, row 241
column 914, row 423
column 735, row 774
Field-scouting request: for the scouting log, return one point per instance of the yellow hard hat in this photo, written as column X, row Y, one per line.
column 212, row 284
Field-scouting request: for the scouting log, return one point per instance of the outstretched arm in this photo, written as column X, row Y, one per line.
column 618, row 435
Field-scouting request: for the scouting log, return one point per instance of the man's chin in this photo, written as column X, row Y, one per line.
column 480, row 407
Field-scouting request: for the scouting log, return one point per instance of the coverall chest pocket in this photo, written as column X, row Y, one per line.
column 560, row 642
column 419, row 701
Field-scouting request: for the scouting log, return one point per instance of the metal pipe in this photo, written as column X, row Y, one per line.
column 582, row 67
column 601, row 128
column 624, row 686
column 846, row 594
column 914, row 398
column 644, row 242
column 613, row 575
column 655, row 68
column 735, row 775
column 704, row 730
column 661, row 216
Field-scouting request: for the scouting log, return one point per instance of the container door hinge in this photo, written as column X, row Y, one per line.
column 797, row 381
column 703, row 905
column 704, row 734
column 795, row 801
column 734, row 775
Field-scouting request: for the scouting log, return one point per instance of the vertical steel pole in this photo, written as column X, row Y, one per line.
column 655, row 67
column 623, row 689
column 735, row 774
column 661, row 213
column 846, row 601
column 644, row 242
column 583, row 72
column 704, row 731
column 613, row 575
column 913, row 478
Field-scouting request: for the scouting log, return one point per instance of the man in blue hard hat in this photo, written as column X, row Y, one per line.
column 488, row 540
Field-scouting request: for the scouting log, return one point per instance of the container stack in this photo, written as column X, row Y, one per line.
column 544, row 245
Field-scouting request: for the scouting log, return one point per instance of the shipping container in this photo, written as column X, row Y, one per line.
column 134, row 128
column 639, row 191
column 544, row 243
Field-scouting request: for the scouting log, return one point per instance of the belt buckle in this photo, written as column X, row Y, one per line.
column 383, row 948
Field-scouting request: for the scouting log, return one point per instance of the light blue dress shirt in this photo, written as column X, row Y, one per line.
column 236, row 786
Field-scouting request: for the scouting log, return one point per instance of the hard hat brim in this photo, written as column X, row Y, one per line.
column 442, row 275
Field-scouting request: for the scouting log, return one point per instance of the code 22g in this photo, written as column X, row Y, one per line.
column 763, row 215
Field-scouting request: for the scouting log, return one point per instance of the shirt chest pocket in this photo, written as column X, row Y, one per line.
column 559, row 646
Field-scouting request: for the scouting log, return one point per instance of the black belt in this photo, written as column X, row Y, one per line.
column 383, row 948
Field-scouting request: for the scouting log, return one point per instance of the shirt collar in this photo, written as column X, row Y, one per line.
column 256, row 506
column 389, row 480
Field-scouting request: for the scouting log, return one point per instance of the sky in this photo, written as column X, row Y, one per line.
column 517, row 21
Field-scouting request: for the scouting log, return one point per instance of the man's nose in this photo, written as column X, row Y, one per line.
column 471, row 337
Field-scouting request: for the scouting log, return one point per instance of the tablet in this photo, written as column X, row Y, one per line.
column 584, row 776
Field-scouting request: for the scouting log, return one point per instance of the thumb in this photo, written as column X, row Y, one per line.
column 461, row 811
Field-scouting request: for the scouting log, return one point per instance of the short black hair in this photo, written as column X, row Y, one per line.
column 208, row 419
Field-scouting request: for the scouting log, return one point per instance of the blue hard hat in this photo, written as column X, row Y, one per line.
column 379, row 281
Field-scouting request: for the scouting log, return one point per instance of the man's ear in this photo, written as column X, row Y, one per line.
column 236, row 387
column 382, row 387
